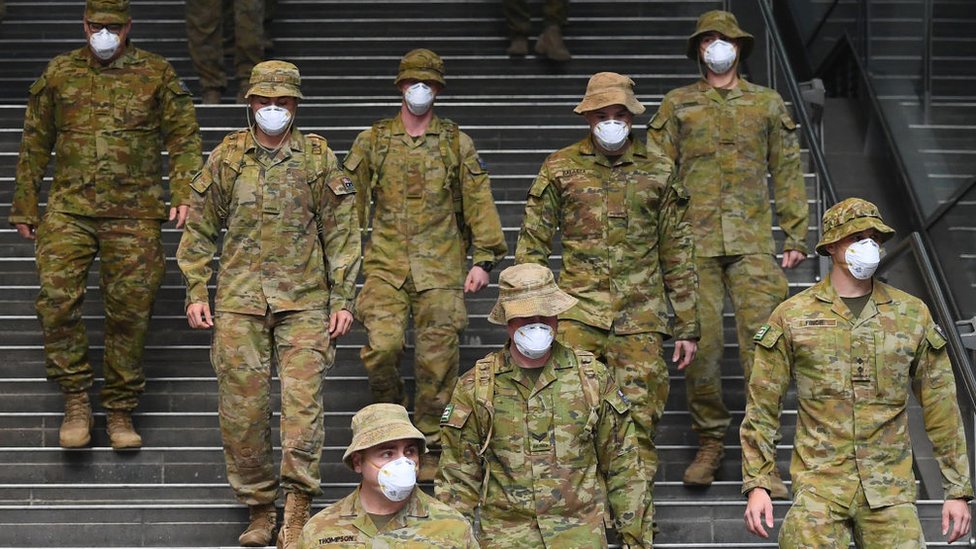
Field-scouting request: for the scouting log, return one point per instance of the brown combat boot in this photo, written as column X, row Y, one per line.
column 77, row 423
column 550, row 44
column 120, row 431
column 701, row 472
column 519, row 47
column 297, row 507
column 777, row 490
column 261, row 530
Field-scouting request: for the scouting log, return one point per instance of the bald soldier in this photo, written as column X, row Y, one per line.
column 431, row 205
column 285, row 288
column 107, row 110
column 853, row 345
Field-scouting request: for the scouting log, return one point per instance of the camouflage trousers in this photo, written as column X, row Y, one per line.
column 755, row 285
column 243, row 346
column 518, row 16
column 131, row 266
column 439, row 317
column 205, row 31
column 817, row 523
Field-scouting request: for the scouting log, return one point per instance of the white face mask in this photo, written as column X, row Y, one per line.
column 720, row 56
column 104, row 44
column 863, row 258
column 397, row 478
column 273, row 120
column 611, row 134
column 419, row 98
column 533, row 340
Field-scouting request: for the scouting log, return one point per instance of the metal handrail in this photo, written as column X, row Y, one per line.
column 823, row 21
column 944, row 208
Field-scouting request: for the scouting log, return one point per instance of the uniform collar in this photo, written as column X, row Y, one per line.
column 352, row 508
column 558, row 359
column 128, row 57
column 824, row 292
column 434, row 128
column 636, row 149
column 295, row 142
column 740, row 89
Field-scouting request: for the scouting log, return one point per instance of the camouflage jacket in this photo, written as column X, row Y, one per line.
column 415, row 228
column 423, row 522
column 108, row 125
column 723, row 149
column 552, row 461
column 625, row 238
column 852, row 378
column 280, row 214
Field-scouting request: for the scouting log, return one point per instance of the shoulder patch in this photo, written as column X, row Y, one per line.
column 199, row 183
column 483, row 164
column 352, row 160
column 616, row 399
column 761, row 333
column 937, row 338
column 538, row 186
column 342, row 186
column 767, row 336
column 38, row 85
column 788, row 122
column 455, row 416
column 657, row 121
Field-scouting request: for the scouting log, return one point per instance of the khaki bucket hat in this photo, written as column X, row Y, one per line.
column 379, row 423
column 723, row 23
column 275, row 79
column 107, row 12
column 609, row 88
column 528, row 290
column 421, row 64
column 848, row 217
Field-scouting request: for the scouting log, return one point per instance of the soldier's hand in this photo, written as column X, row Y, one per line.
column 956, row 511
column 198, row 316
column 339, row 323
column 792, row 258
column 759, row 507
column 179, row 213
column 684, row 352
column 477, row 279
column 25, row 230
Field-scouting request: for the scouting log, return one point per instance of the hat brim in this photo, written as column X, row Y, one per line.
column 277, row 89
column 855, row 225
column 745, row 41
column 548, row 304
column 421, row 75
column 607, row 98
column 387, row 432
column 107, row 18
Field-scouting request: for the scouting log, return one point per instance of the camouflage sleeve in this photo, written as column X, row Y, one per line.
column 340, row 235
column 789, row 190
column 480, row 213
column 181, row 133
column 678, row 261
column 358, row 168
column 935, row 388
column 198, row 244
column 765, row 390
column 459, row 474
column 620, row 464
column 661, row 130
column 38, row 139
column 540, row 221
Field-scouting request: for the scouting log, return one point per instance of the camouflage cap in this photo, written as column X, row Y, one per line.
column 528, row 290
column 848, row 217
column 723, row 23
column 379, row 423
column 275, row 79
column 421, row 64
column 609, row 88
column 107, row 12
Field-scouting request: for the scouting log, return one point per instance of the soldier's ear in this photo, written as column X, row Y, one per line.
column 357, row 462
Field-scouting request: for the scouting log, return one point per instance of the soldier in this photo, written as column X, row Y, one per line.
column 288, row 269
column 853, row 344
column 538, row 437
column 724, row 134
column 387, row 509
column 107, row 110
column 550, row 43
column 205, row 39
column 625, row 243
column 431, row 201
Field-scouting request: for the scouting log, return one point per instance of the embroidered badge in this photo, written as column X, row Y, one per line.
column 622, row 397
column 761, row 333
column 448, row 410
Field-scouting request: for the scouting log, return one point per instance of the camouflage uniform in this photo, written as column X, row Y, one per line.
column 625, row 243
column 548, row 486
column 205, row 32
column 275, row 290
column 723, row 148
column 414, row 261
column 107, row 124
column 423, row 521
column 518, row 17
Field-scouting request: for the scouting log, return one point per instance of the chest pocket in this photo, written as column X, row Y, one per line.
column 644, row 193
column 295, row 204
column 245, row 198
column 820, row 361
column 584, row 206
column 697, row 132
column 752, row 128
column 509, row 427
column 133, row 108
column 894, row 357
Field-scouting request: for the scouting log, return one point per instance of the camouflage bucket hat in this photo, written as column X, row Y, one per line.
column 848, row 217
column 723, row 23
column 107, row 12
column 379, row 423
column 528, row 290
column 609, row 88
column 423, row 65
column 275, row 79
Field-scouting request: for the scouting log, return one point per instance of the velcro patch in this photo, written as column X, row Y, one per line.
column 937, row 338
column 767, row 336
column 816, row 323
column 454, row 416
column 761, row 333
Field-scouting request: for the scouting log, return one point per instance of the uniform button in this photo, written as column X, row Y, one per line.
column 860, row 370
column 860, row 361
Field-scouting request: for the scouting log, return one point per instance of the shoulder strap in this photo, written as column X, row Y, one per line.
column 588, row 378
column 484, row 411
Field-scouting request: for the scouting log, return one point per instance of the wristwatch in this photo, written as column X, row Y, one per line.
column 486, row 265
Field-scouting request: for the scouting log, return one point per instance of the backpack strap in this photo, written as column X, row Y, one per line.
column 588, row 377
column 484, row 411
